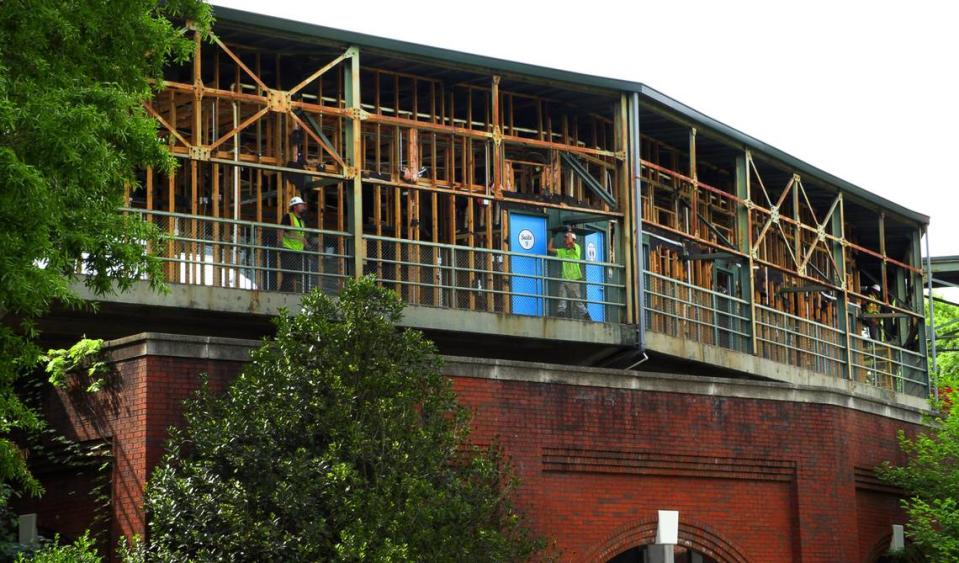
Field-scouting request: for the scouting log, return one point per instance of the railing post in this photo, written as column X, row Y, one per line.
column 354, row 155
column 744, row 239
column 838, row 229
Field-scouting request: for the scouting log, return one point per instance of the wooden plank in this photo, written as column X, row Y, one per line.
column 471, row 261
column 490, row 296
column 217, row 251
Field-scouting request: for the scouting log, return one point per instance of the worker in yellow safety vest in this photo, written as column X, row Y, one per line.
column 292, row 258
column 569, row 288
column 872, row 308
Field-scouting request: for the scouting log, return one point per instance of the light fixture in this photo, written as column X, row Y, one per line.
column 898, row 542
column 667, row 530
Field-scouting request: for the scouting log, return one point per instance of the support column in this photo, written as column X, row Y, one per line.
column 497, row 139
column 694, row 189
column 659, row 553
column 635, row 226
column 882, row 250
column 744, row 234
column 915, row 299
column 838, row 228
column 624, row 244
column 798, row 232
column 354, row 157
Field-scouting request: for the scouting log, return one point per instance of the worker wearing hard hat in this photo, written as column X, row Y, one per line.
column 293, row 240
column 872, row 308
column 572, row 274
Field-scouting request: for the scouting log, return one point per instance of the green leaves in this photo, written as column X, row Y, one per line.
column 338, row 442
column 83, row 550
column 73, row 132
column 931, row 480
column 84, row 357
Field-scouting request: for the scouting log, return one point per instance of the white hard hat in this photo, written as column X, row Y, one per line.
column 296, row 201
column 571, row 234
column 875, row 287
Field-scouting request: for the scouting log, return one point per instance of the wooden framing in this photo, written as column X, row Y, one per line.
column 424, row 165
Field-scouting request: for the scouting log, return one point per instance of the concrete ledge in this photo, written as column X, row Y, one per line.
column 180, row 346
column 268, row 303
column 890, row 405
column 199, row 297
column 910, row 410
column 482, row 322
column 754, row 365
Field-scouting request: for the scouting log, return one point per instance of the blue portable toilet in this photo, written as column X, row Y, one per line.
column 595, row 251
column 527, row 235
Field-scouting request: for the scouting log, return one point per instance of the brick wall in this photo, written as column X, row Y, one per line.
column 776, row 481
column 754, row 479
column 133, row 413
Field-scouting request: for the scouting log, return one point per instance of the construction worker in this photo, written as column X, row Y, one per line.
column 571, row 254
column 872, row 308
column 292, row 257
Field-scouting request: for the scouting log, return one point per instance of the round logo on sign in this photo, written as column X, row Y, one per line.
column 526, row 239
column 591, row 252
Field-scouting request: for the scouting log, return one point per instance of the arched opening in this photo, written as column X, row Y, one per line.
column 681, row 554
column 697, row 543
column 880, row 553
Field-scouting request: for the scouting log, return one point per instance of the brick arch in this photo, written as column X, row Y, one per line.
column 881, row 546
column 691, row 534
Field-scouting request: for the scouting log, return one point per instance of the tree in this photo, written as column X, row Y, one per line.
column 931, row 475
column 73, row 133
column 931, row 481
column 81, row 551
column 341, row 440
column 947, row 344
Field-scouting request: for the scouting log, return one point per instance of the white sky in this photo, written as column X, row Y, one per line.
column 868, row 91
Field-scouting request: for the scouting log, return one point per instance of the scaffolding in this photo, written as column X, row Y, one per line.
column 415, row 169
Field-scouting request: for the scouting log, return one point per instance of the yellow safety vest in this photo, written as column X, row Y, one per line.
column 294, row 240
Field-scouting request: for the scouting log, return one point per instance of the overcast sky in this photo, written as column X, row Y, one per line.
column 868, row 91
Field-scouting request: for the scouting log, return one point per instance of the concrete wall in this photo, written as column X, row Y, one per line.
column 760, row 471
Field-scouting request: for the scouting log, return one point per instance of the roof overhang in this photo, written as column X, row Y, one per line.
column 572, row 79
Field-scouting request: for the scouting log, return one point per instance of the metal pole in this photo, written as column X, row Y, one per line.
column 932, row 322
column 636, row 172
column 355, row 157
column 236, row 195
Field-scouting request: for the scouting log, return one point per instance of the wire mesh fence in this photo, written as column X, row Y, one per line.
column 789, row 339
column 217, row 252
column 888, row 366
column 496, row 281
column 679, row 308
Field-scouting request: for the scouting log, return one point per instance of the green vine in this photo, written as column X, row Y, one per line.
column 85, row 357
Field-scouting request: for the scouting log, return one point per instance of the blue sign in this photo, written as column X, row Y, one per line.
column 527, row 235
column 595, row 251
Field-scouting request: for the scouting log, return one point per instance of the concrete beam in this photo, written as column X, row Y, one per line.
column 859, row 397
column 754, row 365
column 223, row 300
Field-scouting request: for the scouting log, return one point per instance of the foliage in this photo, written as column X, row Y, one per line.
column 931, row 475
column 947, row 342
column 81, row 551
column 341, row 440
column 84, row 356
column 73, row 132
column 931, row 481
column 49, row 448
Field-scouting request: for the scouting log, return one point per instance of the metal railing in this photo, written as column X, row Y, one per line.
column 789, row 339
column 679, row 308
column 888, row 366
column 480, row 279
column 218, row 252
